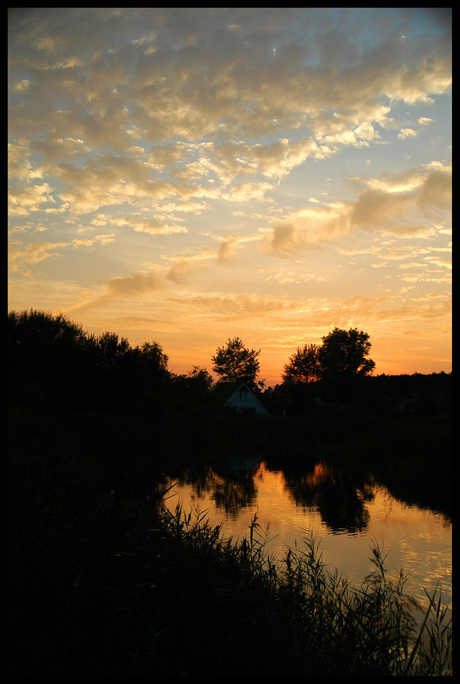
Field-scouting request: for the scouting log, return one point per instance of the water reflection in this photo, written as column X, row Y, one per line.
column 339, row 497
column 347, row 510
column 231, row 489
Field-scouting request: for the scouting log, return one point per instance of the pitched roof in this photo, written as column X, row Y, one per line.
column 224, row 390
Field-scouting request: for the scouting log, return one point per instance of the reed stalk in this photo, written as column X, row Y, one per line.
column 338, row 628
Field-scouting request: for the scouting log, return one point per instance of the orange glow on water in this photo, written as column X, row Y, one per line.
column 416, row 539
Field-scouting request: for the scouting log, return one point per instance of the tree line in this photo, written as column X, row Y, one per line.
column 51, row 359
column 342, row 354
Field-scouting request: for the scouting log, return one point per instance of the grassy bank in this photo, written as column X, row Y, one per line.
column 104, row 582
column 128, row 592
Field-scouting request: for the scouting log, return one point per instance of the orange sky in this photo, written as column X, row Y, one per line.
column 190, row 175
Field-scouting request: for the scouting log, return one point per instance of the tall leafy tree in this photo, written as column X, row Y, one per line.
column 234, row 361
column 303, row 365
column 44, row 347
column 110, row 349
column 344, row 354
column 153, row 353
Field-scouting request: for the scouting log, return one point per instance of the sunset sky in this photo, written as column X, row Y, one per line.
column 189, row 175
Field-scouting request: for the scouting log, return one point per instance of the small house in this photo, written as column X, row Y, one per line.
column 237, row 398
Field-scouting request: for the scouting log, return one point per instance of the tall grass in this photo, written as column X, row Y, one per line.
column 129, row 590
column 328, row 626
column 105, row 581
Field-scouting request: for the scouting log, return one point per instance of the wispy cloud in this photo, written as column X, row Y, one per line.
column 21, row 257
column 159, row 159
column 390, row 203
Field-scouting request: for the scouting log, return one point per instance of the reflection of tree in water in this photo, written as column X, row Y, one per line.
column 235, row 489
column 233, row 495
column 339, row 497
column 231, row 489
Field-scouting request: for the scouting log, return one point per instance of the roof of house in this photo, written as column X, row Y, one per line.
column 224, row 390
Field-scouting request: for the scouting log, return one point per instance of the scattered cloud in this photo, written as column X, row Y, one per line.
column 168, row 155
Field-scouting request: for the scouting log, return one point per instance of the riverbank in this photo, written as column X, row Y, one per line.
column 101, row 583
column 123, row 592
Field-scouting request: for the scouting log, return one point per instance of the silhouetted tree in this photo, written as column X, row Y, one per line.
column 110, row 349
column 201, row 378
column 45, row 352
column 192, row 391
column 153, row 353
column 234, row 362
column 150, row 377
column 303, row 365
column 53, row 360
column 37, row 338
column 343, row 354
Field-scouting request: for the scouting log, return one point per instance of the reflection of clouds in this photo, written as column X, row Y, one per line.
column 415, row 539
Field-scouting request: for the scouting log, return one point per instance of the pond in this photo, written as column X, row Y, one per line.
column 347, row 514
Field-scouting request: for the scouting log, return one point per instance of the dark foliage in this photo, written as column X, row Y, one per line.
column 343, row 355
column 235, row 362
column 96, row 585
column 52, row 362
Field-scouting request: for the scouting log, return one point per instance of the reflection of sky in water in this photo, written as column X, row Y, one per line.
column 416, row 539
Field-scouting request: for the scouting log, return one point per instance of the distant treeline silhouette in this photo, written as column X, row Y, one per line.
column 53, row 362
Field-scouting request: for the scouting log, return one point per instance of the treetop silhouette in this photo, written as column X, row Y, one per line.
column 235, row 362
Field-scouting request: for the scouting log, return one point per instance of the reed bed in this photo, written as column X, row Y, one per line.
column 116, row 585
column 327, row 626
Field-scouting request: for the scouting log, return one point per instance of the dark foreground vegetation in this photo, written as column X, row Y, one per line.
column 103, row 581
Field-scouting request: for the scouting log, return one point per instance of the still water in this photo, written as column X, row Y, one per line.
column 347, row 516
